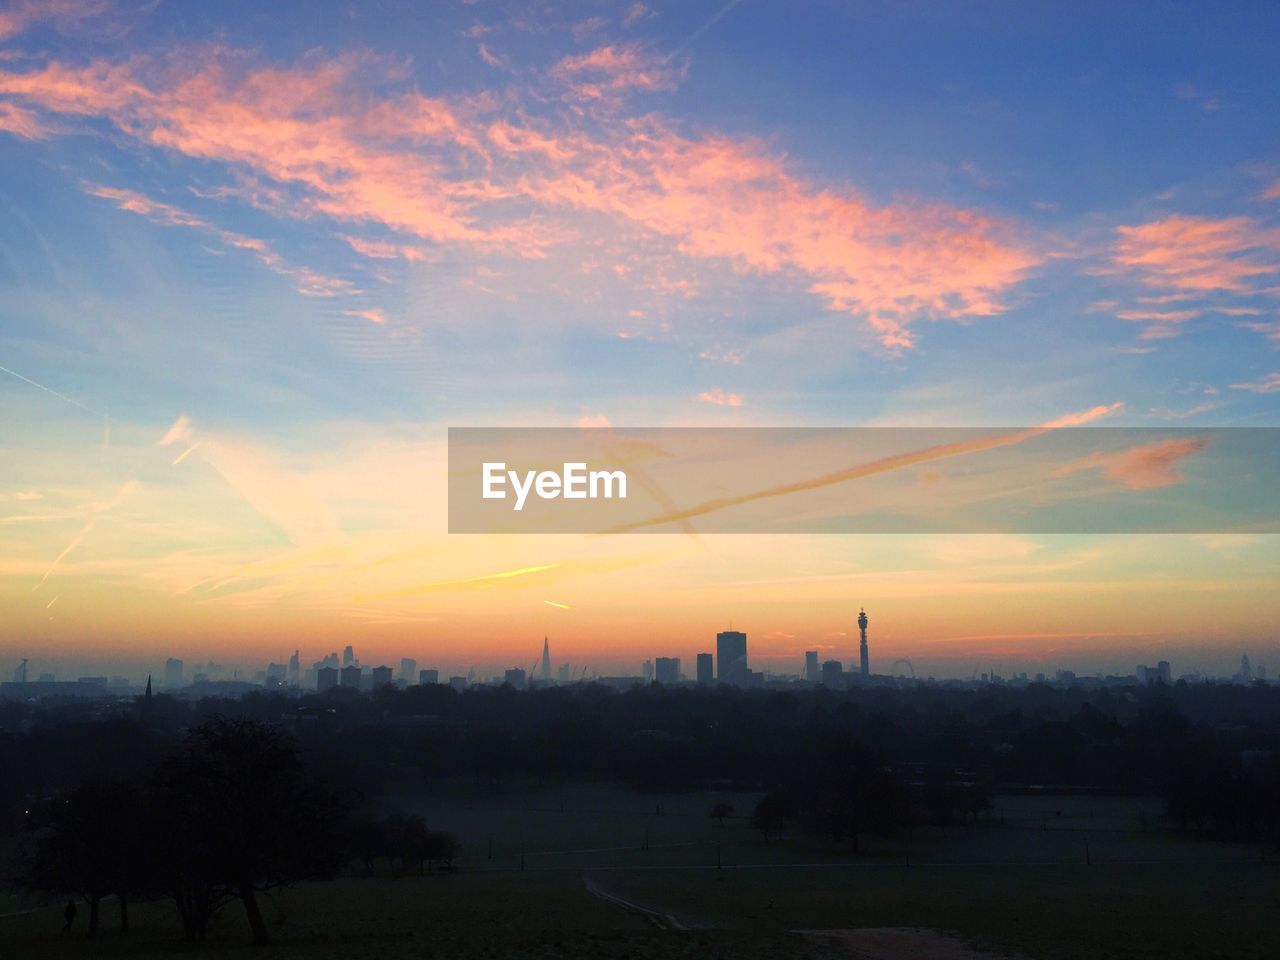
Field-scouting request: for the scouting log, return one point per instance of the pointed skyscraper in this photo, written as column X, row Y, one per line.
column 863, row 655
column 545, row 673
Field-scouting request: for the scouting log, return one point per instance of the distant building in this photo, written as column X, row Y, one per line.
column 173, row 673
column 459, row 683
column 706, row 670
column 326, row 678
column 20, row 672
column 646, row 670
column 832, row 673
column 48, row 678
column 276, row 673
column 564, row 674
column 811, row 670
column 382, row 677
column 428, row 676
column 1164, row 672
column 408, row 669
column 731, row 657
column 348, row 655
column 1246, row 670
column 544, row 673
column 295, row 670
column 350, row 676
column 515, row 677
column 864, row 657
column 667, row 670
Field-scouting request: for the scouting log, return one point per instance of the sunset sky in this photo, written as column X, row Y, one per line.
column 255, row 258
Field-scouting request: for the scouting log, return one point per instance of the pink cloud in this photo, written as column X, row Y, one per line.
column 1146, row 467
column 22, row 14
column 595, row 420
column 331, row 138
column 373, row 315
column 1268, row 384
column 1200, row 254
column 635, row 13
column 615, row 69
column 720, row 398
column 491, row 58
column 23, row 123
column 1196, row 261
column 384, row 250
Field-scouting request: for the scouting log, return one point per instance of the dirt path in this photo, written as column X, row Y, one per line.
column 663, row 921
column 897, row 943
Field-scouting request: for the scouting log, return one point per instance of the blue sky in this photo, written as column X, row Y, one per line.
column 314, row 232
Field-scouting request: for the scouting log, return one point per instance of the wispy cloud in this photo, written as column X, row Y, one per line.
column 466, row 171
column 1196, row 262
column 1146, row 467
column 1268, row 384
column 306, row 281
column 22, row 14
column 720, row 398
column 616, row 69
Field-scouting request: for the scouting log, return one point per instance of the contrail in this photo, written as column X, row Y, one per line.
column 883, row 465
column 60, row 396
column 185, row 453
column 715, row 18
column 558, row 606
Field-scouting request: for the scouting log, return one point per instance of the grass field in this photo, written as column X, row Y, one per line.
column 1017, row 881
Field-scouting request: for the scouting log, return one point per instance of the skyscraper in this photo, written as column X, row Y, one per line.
column 295, row 670
column 348, row 655
column 706, row 673
column 408, row 669
column 381, row 677
column 731, row 656
column 811, row 666
column 172, row 673
column 545, row 672
column 667, row 669
column 326, row 678
column 863, row 655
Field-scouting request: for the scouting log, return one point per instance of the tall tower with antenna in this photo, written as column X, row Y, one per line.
column 863, row 656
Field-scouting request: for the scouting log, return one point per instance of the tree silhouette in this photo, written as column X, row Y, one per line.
column 237, row 814
column 89, row 843
column 721, row 810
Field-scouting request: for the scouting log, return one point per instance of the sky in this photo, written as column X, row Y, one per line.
column 255, row 259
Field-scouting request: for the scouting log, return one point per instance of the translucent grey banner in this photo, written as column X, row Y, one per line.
column 1044, row 479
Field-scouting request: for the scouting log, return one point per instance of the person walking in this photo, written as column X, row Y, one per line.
column 69, row 915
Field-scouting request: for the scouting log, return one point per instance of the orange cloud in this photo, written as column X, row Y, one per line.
column 720, row 398
column 1146, row 467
